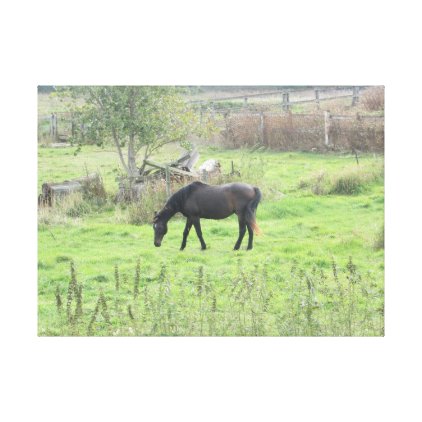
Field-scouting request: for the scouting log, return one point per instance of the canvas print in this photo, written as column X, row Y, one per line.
column 211, row 210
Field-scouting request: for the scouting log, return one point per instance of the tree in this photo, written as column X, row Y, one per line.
column 143, row 118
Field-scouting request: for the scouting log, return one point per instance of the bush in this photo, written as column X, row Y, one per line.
column 64, row 211
column 75, row 206
column 94, row 191
column 153, row 197
column 92, row 197
column 373, row 99
column 351, row 181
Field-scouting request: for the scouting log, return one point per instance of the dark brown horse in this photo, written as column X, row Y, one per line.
column 199, row 200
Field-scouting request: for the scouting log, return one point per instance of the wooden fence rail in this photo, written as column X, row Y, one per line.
column 286, row 102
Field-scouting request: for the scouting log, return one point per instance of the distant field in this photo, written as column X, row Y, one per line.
column 299, row 228
column 50, row 103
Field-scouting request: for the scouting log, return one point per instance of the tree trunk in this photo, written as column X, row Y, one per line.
column 131, row 157
column 119, row 150
column 131, row 152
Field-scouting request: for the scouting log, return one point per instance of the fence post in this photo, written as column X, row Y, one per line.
column 245, row 102
column 327, row 125
column 262, row 128
column 355, row 99
column 53, row 128
column 317, row 97
column 168, row 182
column 286, row 101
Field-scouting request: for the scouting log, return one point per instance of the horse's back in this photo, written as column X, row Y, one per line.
column 217, row 202
column 234, row 190
column 241, row 189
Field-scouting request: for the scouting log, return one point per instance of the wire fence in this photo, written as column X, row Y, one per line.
column 292, row 131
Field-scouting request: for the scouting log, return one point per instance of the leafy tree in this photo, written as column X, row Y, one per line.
column 141, row 118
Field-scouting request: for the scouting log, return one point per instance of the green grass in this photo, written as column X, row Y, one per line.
column 297, row 225
column 58, row 164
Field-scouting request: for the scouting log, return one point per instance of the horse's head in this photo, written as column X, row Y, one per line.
column 160, row 229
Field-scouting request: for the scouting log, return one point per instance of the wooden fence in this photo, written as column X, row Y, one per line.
column 294, row 131
column 315, row 95
column 56, row 127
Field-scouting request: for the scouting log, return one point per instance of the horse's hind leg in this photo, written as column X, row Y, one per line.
column 242, row 231
column 186, row 233
column 197, row 225
column 250, row 231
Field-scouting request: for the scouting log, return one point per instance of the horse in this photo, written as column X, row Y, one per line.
column 200, row 200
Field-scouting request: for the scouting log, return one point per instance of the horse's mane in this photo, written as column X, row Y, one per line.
column 178, row 199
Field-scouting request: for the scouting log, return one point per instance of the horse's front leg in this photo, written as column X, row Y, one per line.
column 197, row 225
column 242, row 231
column 186, row 233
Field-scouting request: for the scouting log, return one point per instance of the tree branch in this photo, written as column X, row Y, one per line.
column 119, row 149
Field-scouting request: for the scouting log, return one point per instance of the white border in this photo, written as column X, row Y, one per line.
column 193, row 379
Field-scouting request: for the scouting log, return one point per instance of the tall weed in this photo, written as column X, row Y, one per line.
column 252, row 302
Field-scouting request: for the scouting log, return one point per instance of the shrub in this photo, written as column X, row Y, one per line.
column 348, row 183
column 75, row 206
column 373, row 98
column 153, row 197
column 351, row 181
column 94, row 191
column 67, row 210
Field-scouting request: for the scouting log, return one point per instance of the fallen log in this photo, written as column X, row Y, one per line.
column 131, row 189
column 172, row 169
column 53, row 191
column 186, row 161
column 194, row 157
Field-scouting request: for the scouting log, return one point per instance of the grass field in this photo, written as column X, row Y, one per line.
column 307, row 220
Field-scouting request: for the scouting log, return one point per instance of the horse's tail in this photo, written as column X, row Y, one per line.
column 251, row 211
